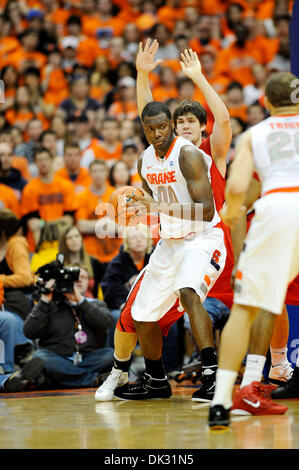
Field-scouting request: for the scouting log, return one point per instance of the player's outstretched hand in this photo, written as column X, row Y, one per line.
column 145, row 60
column 190, row 64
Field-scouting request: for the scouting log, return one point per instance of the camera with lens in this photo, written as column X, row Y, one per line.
column 65, row 277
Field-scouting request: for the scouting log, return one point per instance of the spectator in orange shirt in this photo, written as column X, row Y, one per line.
column 88, row 49
column 169, row 13
column 203, row 36
column 132, row 37
column 15, row 12
column 18, row 162
column 234, row 101
column 8, row 42
column 46, row 198
column 22, row 111
column 256, row 90
column 53, row 81
column 237, row 60
column 108, row 148
column 233, row 16
column 126, row 105
column 102, row 18
column 27, row 54
column 208, row 62
column 8, row 200
column 9, row 175
column 10, row 77
column 32, row 80
column 72, row 171
column 100, row 233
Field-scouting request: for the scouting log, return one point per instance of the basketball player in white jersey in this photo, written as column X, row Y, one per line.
column 191, row 253
column 270, row 258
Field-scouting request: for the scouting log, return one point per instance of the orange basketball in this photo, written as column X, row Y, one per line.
column 119, row 210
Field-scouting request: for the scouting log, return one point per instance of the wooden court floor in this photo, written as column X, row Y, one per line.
column 72, row 419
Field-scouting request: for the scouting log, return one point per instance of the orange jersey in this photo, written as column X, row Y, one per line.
column 8, row 200
column 50, row 200
column 123, row 110
column 82, row 181
column 90, row 25
column 104, row 249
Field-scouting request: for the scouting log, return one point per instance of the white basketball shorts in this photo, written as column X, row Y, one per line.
column 176, row 264
column 270, row 259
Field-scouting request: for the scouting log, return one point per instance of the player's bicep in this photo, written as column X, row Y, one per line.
column 194, row 170
column 145, row 186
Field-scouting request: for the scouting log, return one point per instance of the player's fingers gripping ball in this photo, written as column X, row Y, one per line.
column 123, row 209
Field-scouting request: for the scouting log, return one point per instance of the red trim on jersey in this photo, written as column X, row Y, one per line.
column 168, row 151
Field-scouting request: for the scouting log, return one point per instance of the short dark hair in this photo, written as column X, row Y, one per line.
column 278, row 89
column 41, row 149
column 46, row 132
column 193, row 107
column 154, row 108
column 72, row 145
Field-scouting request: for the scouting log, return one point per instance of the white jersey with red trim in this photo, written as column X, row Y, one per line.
column 275, row 145
column 167, row 183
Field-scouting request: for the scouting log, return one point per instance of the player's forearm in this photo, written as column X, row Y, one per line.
column 144, row 94
column 215, row 103
column 235, row 201
column 238, row 234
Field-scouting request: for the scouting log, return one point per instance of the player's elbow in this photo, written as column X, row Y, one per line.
column 209, row 212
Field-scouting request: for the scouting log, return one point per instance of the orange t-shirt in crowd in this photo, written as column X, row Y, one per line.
column 21, row 164
column 82, row 181
column 104, row 249
column 58, row 89
column 236, row 63
column 88, row 50
column 8, row 200
column 123, row 110
column 169, row 15
column 239, row 111
column 8, row 45
column 50, row 200
column 90, row 25
column 19, row 56
column 163, row 93
column 20, row 118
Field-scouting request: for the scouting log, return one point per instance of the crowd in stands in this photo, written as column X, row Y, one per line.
column 69, row 127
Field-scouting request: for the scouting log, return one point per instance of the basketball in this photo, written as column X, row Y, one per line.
column 119, row 210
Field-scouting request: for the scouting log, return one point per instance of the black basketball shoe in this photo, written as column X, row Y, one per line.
column 290, row 389
column 218, row 417
column 206, row 390
column 148, row 388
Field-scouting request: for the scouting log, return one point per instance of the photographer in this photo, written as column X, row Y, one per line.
column 71, row 331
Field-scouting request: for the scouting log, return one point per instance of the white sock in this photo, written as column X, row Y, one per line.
column 278, row 356
column 254, row 369
column 225, row 381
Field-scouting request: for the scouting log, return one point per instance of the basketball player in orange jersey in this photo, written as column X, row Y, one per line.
column 270, row 258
